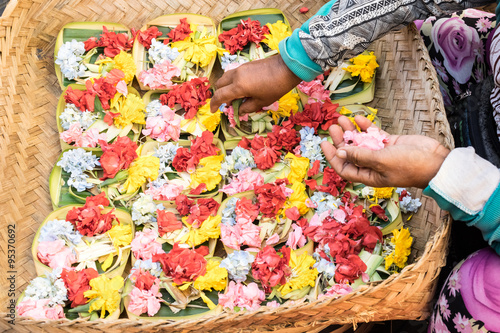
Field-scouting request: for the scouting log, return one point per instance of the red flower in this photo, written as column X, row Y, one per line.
column 349, row 269
column 167, row 222
column 271, row 199
column 404, row 193
column 283, row 137
column 104, row 88
column 202, row 146
column 145, row 37
column 311, row 116
column 371, row 237
column 341, row 245
column 97, row 200
column 332, row 182
column 245, row 143
column 201, row 211
column 184, row 160
column 331, row 116
column 292, row 213
column 264, row 155
column 198, row 189
column 303, row 10
column 270, row 268
column 247, row 31
column 88, row 220
column 314, row 170
column 117, row 156
column 190, row 95
column 246, row 211
column 113, row 43
column 144, row 280
column 83, row 99
column 109, row 116
column 181, row 31
column 77, row 283
column 90, row 43
column 379, row 211
column 323, row 232
column 183, row 204
column 312, row 183
column 183, row 265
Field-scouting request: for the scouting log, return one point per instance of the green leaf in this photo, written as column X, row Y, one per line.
column 232, row 22
column 166, row 312
column 164, row 30
column 236, row 106
column 98, row 106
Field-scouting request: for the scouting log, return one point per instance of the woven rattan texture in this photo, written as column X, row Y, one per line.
column 407, row 97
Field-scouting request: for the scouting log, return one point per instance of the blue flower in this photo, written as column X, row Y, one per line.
column 310, row 146
column 228, row 213
column 153, row 108
column 166, row 154
column 159, row 52
column 49, row 287
column 153, row 267
column 325, row 202
column 238, row 265
column 240, row 159
column 324, row 266
column 59, row 229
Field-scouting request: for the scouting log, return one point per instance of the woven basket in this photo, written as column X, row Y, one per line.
column 407, row 96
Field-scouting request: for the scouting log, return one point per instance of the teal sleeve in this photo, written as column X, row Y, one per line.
column 487, row 220
column 294, row 55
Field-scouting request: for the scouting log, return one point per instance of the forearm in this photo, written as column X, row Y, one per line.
column 468, row 187
column 343, row 29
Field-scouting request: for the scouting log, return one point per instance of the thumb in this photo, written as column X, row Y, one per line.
column 359, row 156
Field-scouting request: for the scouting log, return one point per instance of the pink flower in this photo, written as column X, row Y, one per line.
column 462, row 324
column 274, row 239
column 121, row 87
column 39, row 309
column 229, row 111
column 338, row 290
column 454, row 282
column 244, row 180
column 144, row 245
column 55, row 254
column 167, row 192
column 246, row 211
column 248, row 297
column 314, row 90
column 165, row 127
column 296, row 238
column 273, row 304
column 88, row 139
column 241, row 234
column 443, row 307
column 372, row 139
column 142, row 301
column 339, row 215
column 160, row 76
column 474, row 13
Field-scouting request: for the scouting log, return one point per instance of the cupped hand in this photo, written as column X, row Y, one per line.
column 261, row 82
column 406, row 160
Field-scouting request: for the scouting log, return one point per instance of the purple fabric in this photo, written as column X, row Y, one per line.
column 480, row 280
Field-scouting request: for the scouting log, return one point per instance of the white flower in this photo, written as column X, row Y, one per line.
column 76, row 162
column 166, row 154
column 50, row 287
column 69, row 58
column 159, row 52
column 153, row 108
column 59, row 229
column 144, row 209
column 72, row 114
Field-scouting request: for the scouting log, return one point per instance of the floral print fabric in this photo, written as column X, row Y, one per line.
column 457, row 48
column 469, row 301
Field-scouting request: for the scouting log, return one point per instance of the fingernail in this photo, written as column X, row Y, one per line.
column 341, row 153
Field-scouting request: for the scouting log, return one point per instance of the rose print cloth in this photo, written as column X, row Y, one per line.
column 470, row 298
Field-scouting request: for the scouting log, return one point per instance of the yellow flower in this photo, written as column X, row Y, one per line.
column 106, row 294
column 125, row 63
column 208, row 173
column 364, row 66
column 298, row 168
column 298, row 198
column 277, row 32
column 303, row 273
column 210, row 228
column 199, row 50
column 383, row 192
column 402, row 241
column 143, row 168
column 208, row 119
column 121, row 235
column 131, row 109
column 287, row 105
column 215, row 278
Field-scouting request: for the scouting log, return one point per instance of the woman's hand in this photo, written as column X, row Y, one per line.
column 261, row 82
column 406, row 160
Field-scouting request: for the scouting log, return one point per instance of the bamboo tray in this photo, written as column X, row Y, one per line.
column 407, row 97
